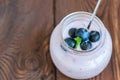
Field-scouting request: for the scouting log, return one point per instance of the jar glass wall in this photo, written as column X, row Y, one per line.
column 80, row 64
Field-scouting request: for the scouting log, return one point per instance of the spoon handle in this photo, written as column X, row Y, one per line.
column 94, row 13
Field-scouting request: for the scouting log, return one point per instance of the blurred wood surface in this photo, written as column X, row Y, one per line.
column 25, row 29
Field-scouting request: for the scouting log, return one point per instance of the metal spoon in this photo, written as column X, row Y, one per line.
column 94, row 13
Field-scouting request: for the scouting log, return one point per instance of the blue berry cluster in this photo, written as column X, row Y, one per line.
column 82, row 37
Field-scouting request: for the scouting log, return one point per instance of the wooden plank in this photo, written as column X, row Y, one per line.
column 25, row 28
column 109, row 13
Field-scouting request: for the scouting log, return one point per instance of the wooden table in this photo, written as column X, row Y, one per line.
column 25, row 29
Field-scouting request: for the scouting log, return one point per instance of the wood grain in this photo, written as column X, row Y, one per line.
column 109, row 13
column 25, row 28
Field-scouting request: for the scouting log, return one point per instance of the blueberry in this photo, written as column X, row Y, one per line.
column 72, row 32
column 83, row 33
column 86, row 45
column 70, row 42
column 94, row 36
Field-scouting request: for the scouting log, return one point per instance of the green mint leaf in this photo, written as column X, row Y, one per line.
column 78, row 41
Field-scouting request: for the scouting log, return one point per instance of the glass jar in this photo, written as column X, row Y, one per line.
column 80, row 64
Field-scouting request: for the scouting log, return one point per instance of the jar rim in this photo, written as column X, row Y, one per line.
column 82, row 52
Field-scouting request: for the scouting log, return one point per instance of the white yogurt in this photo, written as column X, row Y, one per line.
column 81, row 24
column 80, row 65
